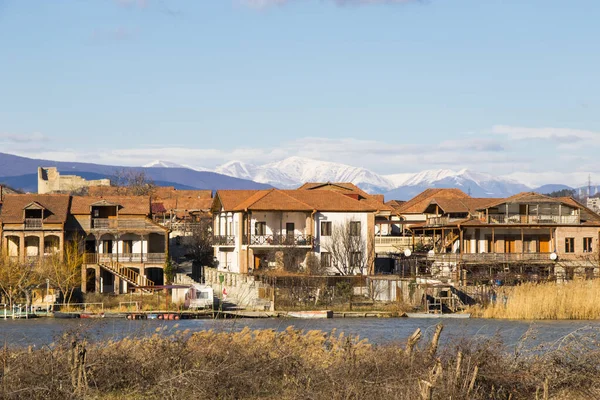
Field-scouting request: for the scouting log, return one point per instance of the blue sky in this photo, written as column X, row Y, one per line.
column 508, row 87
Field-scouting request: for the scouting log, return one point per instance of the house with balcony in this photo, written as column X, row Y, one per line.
column 527, row 228
column 249, row 226
column 32, row 225
column 123, row 247
column 389, row 235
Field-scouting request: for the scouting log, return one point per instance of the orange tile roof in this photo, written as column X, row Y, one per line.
column 347, row 188
column 295, row 200
column 273, row 200
column 419, row 203
column 129, row 205
column 230, row 199
column 56, row 206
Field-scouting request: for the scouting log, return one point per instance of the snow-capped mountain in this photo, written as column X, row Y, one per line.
column 294, row 171
column 169, row 164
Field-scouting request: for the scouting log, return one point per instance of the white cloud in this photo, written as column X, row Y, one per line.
column 132, row 3
column 34, row 137
column 269, row 3
column 563, row 135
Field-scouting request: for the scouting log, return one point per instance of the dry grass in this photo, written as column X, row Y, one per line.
column 265, row 364
column 578, row 299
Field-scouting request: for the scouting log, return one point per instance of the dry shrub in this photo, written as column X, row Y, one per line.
column 578, row 299
column 294, row 365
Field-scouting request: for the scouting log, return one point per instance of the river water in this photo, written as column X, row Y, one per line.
column 44, row 331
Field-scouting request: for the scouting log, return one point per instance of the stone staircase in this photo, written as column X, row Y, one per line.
column 242, row 290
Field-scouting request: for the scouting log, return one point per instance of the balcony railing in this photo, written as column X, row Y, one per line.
column 489, row 257
column 105, row 223
column 33, row 223
column 149, row 258
column 532, row 219
column 281, row 240
column 224, row 240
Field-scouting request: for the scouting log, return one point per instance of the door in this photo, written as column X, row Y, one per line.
column 289, row 231
column 544, row 244
column 523, row 213
column 510, row 245
column 257, row 262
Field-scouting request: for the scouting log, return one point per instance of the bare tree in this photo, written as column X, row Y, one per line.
column 63, row 269
column 18, row 278
column 348, row 250
column 198, row 245
column 133, row 182
column 314, row 266
column 288, row 258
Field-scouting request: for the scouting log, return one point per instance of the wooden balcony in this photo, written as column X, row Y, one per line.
column 532, row 219
column 135, row 258
column 489, row 257
column 33, row 223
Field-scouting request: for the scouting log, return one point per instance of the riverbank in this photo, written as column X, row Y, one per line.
column 291, row 364
column 573, row 300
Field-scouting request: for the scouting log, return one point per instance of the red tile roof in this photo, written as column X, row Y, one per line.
column 129, row 205
column 419, row 203
column 56, row 207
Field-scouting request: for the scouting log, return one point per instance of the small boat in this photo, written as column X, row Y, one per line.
column 152, row 316
column 310, row 314
column 438, row 315
column 59, row 314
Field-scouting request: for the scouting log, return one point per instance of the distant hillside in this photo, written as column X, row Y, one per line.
column 21, row 173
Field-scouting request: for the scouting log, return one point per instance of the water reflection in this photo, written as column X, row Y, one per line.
column 44, row 331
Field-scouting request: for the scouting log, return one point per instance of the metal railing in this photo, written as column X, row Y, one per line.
column 281, row 240
column 33, row 223
column 224, row 240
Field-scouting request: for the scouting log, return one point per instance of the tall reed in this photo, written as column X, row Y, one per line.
column 579, row 299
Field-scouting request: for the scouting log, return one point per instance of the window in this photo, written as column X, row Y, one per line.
column 326, row 260
column 325, row 228
column 587, row 244
column 127, row 246
column 356, row 259
column 355, row 228
column 289, row 229
column 260, row 228
column 569, row 245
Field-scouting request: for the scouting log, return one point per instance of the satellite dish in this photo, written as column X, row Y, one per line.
column 407, row 252
column 431, row 252
column 553, row 256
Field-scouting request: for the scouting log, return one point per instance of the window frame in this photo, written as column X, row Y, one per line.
column 569, row 245
column 260, row 228
column 325, row 228
column 355, row 228
column 588, row 244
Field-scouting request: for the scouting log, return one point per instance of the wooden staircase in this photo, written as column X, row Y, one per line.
column 128, row 275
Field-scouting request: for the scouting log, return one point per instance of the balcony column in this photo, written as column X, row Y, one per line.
column 141, row 248
column 493, row 246
column 22, row 250
column 41, row 247
column 522, row 241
